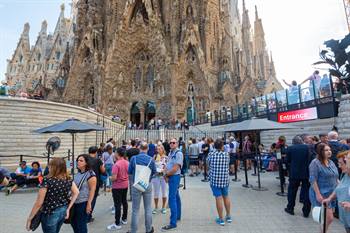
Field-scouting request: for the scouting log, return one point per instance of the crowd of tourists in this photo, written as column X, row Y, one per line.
column 140, row 170
column 321, row 166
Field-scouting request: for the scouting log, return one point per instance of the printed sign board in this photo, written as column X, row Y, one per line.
column 298, row 115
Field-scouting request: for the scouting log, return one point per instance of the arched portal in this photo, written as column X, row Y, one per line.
column 150, row 111
column 135, row 115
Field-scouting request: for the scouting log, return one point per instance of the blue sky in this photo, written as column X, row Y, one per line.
column 15, row 13
column 294, row 30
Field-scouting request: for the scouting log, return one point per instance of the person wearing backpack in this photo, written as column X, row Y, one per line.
column 141, row 160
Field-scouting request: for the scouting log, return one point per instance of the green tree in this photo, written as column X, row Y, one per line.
column 337, row 55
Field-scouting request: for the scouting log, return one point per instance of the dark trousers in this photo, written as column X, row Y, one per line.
column 119, row 199
column 93, row 203
column 79, row 220
column 205, row 156
column 292, row 193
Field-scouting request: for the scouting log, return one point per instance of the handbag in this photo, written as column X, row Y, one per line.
column 71, row 210
column 142, row 175
column 34, row 224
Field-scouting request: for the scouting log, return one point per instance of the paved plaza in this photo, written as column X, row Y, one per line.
column 252, row 211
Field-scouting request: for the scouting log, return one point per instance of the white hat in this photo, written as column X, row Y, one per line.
column 317, row 214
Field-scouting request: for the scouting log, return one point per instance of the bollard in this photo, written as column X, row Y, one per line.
column 259, row 188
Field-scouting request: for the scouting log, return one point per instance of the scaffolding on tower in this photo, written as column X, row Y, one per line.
column 347, row 12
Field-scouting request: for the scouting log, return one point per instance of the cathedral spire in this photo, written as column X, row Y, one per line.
column 256, row 13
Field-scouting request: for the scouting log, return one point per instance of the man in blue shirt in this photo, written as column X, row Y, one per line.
column 172, row 173
column 21, row 174
column 144, row 160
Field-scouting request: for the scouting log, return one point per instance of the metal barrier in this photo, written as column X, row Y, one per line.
column 163, row 134
column 22, row 157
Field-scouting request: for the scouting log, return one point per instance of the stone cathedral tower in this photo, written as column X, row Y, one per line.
column 170, row 59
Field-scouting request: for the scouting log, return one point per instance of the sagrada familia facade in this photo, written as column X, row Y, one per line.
column 141, row 59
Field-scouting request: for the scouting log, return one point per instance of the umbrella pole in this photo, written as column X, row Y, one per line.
column 257, row 156
column 72, row 171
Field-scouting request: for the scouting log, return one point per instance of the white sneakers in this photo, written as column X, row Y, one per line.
column 114, row 227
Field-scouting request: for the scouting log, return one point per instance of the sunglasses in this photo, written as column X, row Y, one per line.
column 172, row 142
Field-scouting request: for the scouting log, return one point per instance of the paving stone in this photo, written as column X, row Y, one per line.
column 252, row 211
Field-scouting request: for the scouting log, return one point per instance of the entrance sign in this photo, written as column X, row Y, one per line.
column 298, row 115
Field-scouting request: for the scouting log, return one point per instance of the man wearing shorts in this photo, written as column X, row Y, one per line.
column 218, row 162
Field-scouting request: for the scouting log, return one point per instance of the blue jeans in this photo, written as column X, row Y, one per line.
column 51, row 223
column 109, row 174
column 147, row 204
column 79, row 220
column 174, row 199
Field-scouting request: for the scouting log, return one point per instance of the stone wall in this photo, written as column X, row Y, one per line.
column 19, row 117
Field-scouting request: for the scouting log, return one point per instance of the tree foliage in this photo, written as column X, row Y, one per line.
column 336, row 54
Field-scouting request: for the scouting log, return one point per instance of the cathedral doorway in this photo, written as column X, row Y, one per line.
column 150, row 111
column 135, row 115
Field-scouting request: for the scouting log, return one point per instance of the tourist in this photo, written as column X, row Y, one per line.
column 4, row 89
column 158, row 181
column 323, row 138
column 98, row 168
column 247, row 151
column 298, row 158
column 133, row 150
column 35, row 175
column 341, row 193
column 233, row 146
column 120, row 183
column 200, row 144
column 323, row 179
column 314, row 81
column 336, row 146
column 218, row 162
column 54, row 198
column 86, row 180
column 151, row 149
column 293, row 92
column 21, row 174
column 205, row 151
column 108, row 161
column 193, row 152
column 172, row 173
column 129, row 154
column 3, row 180
column 166, row 146
column 101, row 150
column 183, row 148
column 144, row 160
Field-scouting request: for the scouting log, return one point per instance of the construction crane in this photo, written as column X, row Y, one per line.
column 347, row 12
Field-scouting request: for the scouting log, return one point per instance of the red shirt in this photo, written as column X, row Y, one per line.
column 120, row 170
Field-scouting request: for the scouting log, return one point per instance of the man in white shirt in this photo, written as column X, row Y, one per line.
column 200, row 144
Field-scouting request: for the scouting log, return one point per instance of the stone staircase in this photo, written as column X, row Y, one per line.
column 19, row 117
column 313, row 127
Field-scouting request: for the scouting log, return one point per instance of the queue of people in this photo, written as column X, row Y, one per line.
column 315, row 164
